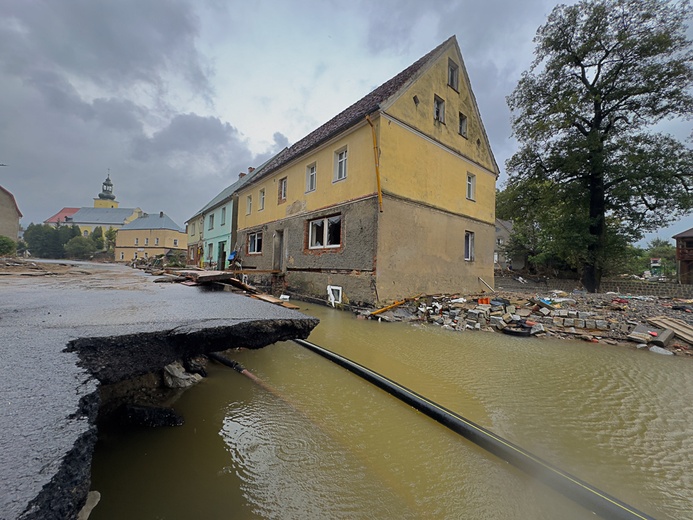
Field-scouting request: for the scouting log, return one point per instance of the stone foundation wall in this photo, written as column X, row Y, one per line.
column 632, row 287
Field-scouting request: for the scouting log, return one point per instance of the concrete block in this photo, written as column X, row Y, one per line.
column 590, row 324
column 544, row 311
column 579, row 324
column 602, row 325
column 568, row 322
column 557, row 321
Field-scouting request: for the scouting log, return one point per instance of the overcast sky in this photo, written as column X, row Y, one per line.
column 175, row 97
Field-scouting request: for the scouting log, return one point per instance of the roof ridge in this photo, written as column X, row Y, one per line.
column 353, row 113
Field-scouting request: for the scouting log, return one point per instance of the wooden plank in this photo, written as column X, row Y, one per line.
column 682, row 329
column 277, row 301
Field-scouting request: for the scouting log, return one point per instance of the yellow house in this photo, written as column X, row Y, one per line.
column 105, row 214
column 393, row 197
column 9, row 215
column 149, row 236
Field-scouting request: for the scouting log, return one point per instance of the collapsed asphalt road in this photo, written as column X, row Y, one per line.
column 62, row 335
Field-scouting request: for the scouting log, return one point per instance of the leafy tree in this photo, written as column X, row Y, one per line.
column 605, row 72
column 80, row 247
column 97, row 237
column 8, row 247
column 45, row 241
column 110, row 236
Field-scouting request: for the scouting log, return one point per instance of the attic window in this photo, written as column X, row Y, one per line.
column 463, row 125
column 453, row 75
column 438, row 109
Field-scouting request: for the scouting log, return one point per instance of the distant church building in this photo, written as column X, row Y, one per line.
column 105, row 213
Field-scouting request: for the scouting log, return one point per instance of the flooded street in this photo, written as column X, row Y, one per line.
column 315, row 441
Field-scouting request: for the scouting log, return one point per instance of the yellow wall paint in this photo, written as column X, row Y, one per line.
column 360, row 181
column 420, row 169
column 103, row 203
column 434, row 82
column 125, row 242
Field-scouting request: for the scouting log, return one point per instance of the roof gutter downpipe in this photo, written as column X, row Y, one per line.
column 377, row 164
column 570, row 486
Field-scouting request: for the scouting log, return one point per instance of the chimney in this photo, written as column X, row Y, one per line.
column 241, row 175
column 161, row 214
column 251, row 169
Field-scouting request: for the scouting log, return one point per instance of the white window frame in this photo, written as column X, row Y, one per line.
column 175, row 242
column 453, row 75
column 223, row 215
column 341, row 164
column 211, row 221
column 261, row 199
column 192, row 228
column 282, row 190
column 315, row 241
column 471, row 186
column 122, row 255
column 469, row 246
column 146, row 241
column 156, row 241
column 438, row 109
column 463, row 125
column 311, row 177
column 255, row 243
column 137, row 241
column 248, row 204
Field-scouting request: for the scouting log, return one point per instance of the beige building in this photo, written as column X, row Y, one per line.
column 149, row 236
column 9, row 215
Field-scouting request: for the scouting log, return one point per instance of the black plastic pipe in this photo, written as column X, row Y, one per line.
column 572, row 487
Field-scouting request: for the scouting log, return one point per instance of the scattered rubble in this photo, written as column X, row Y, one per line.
column 663, row 325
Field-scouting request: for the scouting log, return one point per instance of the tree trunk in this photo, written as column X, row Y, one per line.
column 593, row 267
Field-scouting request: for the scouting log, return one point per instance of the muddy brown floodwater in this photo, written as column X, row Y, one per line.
column 315, row 441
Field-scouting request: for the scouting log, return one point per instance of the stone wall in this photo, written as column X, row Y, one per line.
column 632, row 287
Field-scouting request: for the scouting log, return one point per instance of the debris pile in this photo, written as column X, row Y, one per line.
column 662, row 325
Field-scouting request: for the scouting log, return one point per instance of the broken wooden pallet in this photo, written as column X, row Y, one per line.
column 682, row 329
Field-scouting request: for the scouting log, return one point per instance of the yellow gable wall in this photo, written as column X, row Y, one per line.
column 360, row 181
column 434, row 82
column 419, row 169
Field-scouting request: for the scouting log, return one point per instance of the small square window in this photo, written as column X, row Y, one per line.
column 469, row 246
column 311, row 174
column 438, row 110
column 471, row 186
column 175, row 242
column 463, row 125
column 453, row 75
column 340, row 164
column 281, row 192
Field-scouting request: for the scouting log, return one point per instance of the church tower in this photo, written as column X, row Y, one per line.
column 106, row 199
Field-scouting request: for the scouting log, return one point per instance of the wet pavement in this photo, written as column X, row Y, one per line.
column 45, row 395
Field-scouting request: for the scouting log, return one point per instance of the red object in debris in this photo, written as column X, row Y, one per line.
column 530, row 323
column 619, row 300
column 652, row 333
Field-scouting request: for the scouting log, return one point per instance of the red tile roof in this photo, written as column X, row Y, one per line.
column 60, row 215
